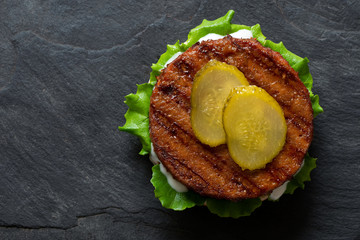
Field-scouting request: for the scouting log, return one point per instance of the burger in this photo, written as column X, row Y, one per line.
column 227, row 119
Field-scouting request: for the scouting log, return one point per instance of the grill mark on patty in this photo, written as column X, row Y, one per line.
column 162, row 152
column 237, row 175
column 172, row 93
column 168, row 159
column 169, row 89
column 159, row 114
column 161, row 118
column 301, row 126
column 265, row 57
column 181, row 113
column 184, row 67
column 280, row 77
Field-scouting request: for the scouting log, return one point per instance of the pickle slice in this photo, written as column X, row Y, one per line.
column 255, row 127
column 211, row 87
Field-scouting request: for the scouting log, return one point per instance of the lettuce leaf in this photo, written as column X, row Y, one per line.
column 170, row 198
column 221, row 26
column 137, row 121
column 137, row 116
column 302, row 176
column 225, row 208
column 156, row 68
column 315, row 104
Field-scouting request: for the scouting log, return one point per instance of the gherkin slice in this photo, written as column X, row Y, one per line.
column 211, row 88
column 255, row 127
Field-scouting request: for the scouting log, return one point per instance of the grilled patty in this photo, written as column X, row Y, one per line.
column 211, row 171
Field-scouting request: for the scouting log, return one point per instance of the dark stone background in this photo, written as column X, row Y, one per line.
column 66, row 172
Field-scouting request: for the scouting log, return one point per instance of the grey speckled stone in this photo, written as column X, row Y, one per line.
column 67, row 173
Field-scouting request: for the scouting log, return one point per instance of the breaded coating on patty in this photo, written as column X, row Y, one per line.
column 211, row 171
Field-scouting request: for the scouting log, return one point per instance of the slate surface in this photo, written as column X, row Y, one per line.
column 67, row 173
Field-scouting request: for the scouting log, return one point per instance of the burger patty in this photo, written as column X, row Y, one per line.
column 210, row 171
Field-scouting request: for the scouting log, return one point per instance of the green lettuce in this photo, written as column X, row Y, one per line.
column 137, row 120
column 221, row 26
column 302, row 176
column 171, row 50
column 137, row 116
column 225, row 208
column 172, row 199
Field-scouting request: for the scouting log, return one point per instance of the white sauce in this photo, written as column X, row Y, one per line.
column 153, row 157
column 243, row 34
column 176, row 185
column 210, row 36
column 172, row 58
column 279, row 191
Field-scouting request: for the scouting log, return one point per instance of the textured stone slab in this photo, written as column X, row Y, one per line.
column 67, row 173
